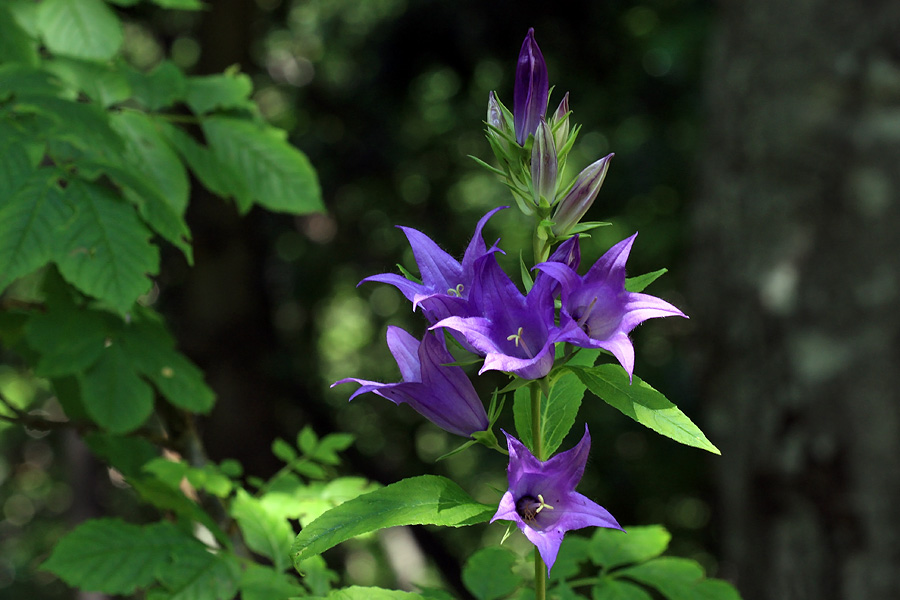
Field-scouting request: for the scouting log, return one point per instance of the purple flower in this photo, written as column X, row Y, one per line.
column 512, row 331
column 446, row 282
column 542, row 501
column 442, row 394
column 597, row 311
column 580, row 197
column 532, row 89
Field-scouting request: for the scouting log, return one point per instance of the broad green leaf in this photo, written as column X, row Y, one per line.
column 573, row 551
column 20, row 80
column 278, row 176
column 613, row 589
column 265, row 532
column 226, row 90
column 675, row 578
column 77, row 130
column 207, row 167
column 643, row 404
column 98, row 81
column 69, row 339
column 558, row 412
column 181, row 4
column 199, row 574
column 105, row 250
column 81, row 28
column 114, row 557
column 427, row 499
column 639, row 283
column 32, row 222
column 114, row 395
column 15, row 43
column 128, row 454
column 488, row 573
column 265, row 583
column 612, row 548
column 16, row 163
column 152, row 353
column 160, row 88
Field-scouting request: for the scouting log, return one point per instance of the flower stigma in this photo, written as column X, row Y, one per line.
column 529, row 507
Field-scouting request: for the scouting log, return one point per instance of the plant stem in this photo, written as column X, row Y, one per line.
column 540, row 577
column 537, row 441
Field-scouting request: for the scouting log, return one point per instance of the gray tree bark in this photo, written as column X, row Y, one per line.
column 795, row 289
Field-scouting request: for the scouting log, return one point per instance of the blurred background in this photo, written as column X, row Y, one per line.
column 757, row 151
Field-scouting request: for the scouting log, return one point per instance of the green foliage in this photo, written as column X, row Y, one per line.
column 423, row 500
column 488, row 573
column 642, row 403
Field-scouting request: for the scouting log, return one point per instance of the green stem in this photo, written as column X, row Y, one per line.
column 537, row 440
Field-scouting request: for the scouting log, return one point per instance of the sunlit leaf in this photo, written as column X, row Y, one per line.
column 612, row 548
column 265, row 532
column 80, row 28
column 488, row 573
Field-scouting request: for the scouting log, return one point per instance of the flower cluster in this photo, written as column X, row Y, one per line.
column 476, row 303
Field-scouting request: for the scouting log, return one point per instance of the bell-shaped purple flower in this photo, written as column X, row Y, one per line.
column 515, row 333
column 597, row 311
column 542, row 501
column 442, row 394
column 446, row 282
column 532, row 89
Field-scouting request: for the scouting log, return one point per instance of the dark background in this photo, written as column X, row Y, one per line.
column 756, row 153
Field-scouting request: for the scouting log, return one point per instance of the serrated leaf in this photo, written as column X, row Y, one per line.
column 264, row 583
column 676, row 578
column 81, row 28
column 265, row 532
column 114, row 557
column 77, row 129
column 558, row 411
column 69, row 339
column 199, row 574
column 488, row 573
column 613, row 589
column 611, row 548
column 225, row 90
column 31, row 223
column 642, row 403
column 15, row 44
column 114, row 395
column 160, row 88
column 98, row 81
column 278, row 176
column 427, row 499
column 105, row 250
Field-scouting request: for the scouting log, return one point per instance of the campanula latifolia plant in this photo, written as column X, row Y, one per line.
column 556, row 334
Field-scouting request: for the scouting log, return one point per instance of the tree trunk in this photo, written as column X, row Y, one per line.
column 795, row 273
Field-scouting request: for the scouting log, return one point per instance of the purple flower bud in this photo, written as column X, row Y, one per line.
column 543, row 164
column 494, row 114
column 532, row 89
column 580, row 198
column 560, row 121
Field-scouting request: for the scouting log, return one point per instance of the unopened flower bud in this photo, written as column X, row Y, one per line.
column 543, row 164
column 580, row 198
column 494, row 114
column 532, row 89
column 560, row 122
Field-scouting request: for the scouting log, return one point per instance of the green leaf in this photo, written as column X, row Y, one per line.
column 19, row 80
column 80, row 128
column 265, row 583
column 643, row 404
column 114, row 395
column 31, row 223
column 488, row 573
column 198, row 574
column 265, row 532
column 573, row 551
column 278, row 176
column 98, row 81
column 15, row 43
column 612, row 548
column 558, row 411
column 105, row 250
column 114, row 557
column 675, row 578
column 160, row 88
column 69, row 339
column 613, row 589
column 225, row 90
column 637, row 284
column 128, row 454
column 81, row 28
column 181, row 4
column 427, row 499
